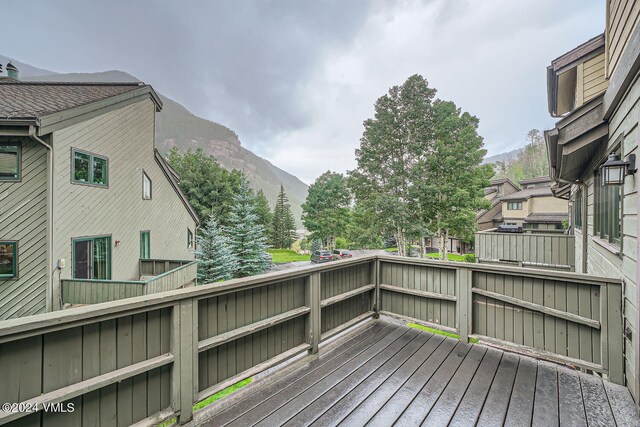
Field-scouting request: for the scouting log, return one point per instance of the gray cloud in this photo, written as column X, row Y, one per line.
column 296, row 78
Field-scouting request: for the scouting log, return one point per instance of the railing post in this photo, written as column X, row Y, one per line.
column 464, row 302
column 313, row 298
column 375, row 280
column 611, row 334
column 184, row 346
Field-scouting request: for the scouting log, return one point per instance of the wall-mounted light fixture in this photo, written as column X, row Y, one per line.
column 117, row 242
column 614, row 170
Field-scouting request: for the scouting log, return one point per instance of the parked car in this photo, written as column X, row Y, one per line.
column 342, row 253
column 322, row 256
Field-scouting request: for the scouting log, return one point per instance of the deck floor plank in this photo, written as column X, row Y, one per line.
column 353, row 347
column 386, row 374
column 545, row 407
column 375, row 398
column 521, row 403
column 495, row 408
column 350, row 372
column 471, row 405
column 571, row 405
column 598, row 410
column 276, row 401
column 360, row 384
column 448, row 401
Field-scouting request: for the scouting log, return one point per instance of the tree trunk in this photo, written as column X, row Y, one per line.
column 400, row 242
column 442, row 244
column 446, row 239
column 423, row 247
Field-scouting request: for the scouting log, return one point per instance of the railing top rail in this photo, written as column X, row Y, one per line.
column 172, row 271
column 536, row 234
column 504, row 269
column 98, row 312
column 136, row 282
column 185, row 261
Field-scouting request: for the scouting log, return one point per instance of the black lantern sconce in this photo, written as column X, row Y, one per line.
column 614, row 170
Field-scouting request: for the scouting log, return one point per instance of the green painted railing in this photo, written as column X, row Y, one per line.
column 538, row 250
column 151, row 357
column 166, row 275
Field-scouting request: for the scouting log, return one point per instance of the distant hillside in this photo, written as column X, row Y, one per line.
column 507, row 157
column 178, row 127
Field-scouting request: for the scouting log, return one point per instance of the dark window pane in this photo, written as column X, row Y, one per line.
column 9, row 161
column 82, row 261
column 100, row 171
column 145, row 245
column 8, row 260
column 81, row 167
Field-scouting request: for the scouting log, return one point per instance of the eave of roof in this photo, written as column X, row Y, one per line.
column 568, row 60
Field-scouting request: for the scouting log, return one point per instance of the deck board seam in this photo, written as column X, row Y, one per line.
column 493, row 378
column 325, row 376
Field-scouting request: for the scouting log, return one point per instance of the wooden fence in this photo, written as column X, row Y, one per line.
column 169, row 275
column 150, row 358
column 549, row 251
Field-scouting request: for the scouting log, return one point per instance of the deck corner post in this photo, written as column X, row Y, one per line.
column 612, row 334
column 464, row 304
column 184, row 374
column 376, row 282
column 313, row 300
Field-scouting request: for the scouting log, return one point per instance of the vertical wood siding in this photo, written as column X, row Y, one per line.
column 622, row 20
column 533, row 250
column 125, row 136
column 337, row 282
column 23, row 217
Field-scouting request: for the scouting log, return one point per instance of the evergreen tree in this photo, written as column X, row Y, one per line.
column 316, row 245
column 283, row 229
column 263, row 210
column 248, row 242
column 216, row 262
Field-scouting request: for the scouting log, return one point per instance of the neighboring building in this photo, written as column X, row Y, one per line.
column 83, row 194
column 534, row 208
column 595, row 91
column 492, row 217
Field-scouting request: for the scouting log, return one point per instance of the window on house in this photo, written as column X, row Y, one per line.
column 607, row 210
column 189, row 239
column 146, row 187
column 88, row 168
column 145, row 244
column 8, row 260
column 92, row 258
column 577, row 210
column 10, row 162
column 514, row 206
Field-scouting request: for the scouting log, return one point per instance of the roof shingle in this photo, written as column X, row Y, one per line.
column 527, row 193
column 20, row 99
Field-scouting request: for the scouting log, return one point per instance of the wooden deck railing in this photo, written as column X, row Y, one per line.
column 167, row 275
column 548, row 251
column 152, row 357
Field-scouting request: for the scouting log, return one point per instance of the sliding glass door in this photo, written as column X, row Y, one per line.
column 92, row 258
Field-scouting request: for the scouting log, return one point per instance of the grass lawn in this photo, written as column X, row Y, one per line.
column 219, row 395
column 286, row 255
column 391, row 249
column 450, row 257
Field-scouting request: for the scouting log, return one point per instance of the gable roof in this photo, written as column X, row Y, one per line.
column 528, row 193
column 173, row 178
column 536, row 180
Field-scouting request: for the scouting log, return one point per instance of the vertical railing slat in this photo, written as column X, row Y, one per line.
column 313, row 299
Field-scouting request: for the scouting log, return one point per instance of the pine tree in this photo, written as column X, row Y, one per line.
column 316, row 245
column 248, row 242
column 283, row 229
column 216, row 262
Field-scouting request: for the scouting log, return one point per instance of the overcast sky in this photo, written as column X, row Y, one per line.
column 295, row 79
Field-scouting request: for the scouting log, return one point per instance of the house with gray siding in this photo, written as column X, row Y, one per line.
column 594, row 92
column 84, row 197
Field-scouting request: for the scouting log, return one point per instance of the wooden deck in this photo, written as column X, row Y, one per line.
column 385, row 373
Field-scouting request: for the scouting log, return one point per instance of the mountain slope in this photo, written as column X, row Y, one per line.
column 178, row 127
column 503, row 157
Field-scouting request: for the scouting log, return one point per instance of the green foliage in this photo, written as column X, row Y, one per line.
column 283, row 225
column 208, row 186
column 439, row 332
column 263, row 211
column 469, row 258
column 286, row 255
column 361, row 230
column 419, row 166
column 342, row 243
column 326, row 210
column 247, row 238
column 216, row 261
column 531, row 162
column 222, row 393
column 565, row 224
